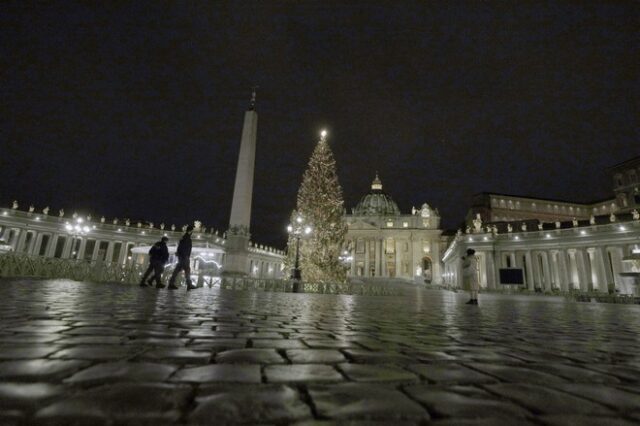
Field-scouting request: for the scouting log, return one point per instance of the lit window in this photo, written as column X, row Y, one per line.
column 405, row 224
column 389, row 224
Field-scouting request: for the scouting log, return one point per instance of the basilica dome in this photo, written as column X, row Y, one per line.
column 376, row 202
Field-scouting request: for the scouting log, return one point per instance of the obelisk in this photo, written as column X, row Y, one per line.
column 237, row 243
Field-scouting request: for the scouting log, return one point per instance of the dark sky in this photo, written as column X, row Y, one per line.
column 134, row 109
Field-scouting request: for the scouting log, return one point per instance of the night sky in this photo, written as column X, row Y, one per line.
column 135, row 109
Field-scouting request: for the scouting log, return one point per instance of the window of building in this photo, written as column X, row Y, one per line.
column 389, row 224
column 405, row 224
column 359, row 245
column 390, row 246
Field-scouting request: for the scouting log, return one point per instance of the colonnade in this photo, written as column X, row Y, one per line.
column 585, row 260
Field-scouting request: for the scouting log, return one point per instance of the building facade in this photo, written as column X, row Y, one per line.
column 626, row 184
column 598, row 256
column 82, row 238
column 383, row 242
column 558, row 245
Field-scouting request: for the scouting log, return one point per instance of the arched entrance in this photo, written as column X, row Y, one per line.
column 427, row 269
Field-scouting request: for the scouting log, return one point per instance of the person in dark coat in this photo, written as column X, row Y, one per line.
column 158, row 257
column 183, row 252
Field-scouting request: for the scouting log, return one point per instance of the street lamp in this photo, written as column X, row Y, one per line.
column 297, row 229
column 76, row 231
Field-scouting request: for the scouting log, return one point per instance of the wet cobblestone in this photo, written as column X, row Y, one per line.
column 108, row 354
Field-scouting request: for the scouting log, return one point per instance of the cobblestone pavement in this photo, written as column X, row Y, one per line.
column 109, row 354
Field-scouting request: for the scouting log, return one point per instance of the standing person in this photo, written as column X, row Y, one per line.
column 470, row 275
column 158, row 257
column 183, row 252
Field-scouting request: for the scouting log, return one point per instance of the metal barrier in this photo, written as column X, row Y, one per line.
column 23, row 265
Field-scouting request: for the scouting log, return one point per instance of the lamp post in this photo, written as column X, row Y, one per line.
column 297, row 229
column 76, row 231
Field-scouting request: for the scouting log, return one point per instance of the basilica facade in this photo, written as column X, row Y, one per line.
column 382, row 242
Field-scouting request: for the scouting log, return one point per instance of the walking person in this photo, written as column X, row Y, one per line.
column 470, row 275
column 158, row 257
column 183, row 252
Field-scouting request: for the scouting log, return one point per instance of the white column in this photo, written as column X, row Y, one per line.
column 529, row 268
column 22, row 236
column 109, row 254
column 491, row 269
column 608, row 274
column 377, row 257
column 583, row 269
column 366, row 257
column 398, row 258
column 545, row 273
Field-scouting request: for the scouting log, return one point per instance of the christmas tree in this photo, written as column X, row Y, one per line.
column 321, row 206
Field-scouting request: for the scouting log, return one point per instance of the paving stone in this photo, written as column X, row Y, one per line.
column 574, row 373
column 431, row 356
column 38, row 369
column 264, row 404
column 371, row 357
column 577, row 420
column 27, row 395
column 122, row 372
column 220, row 373
column 377, row 373
column 260, row 335
column 358, row 401
column 486, row 421
column 154, row 341
column 250, row 356
column 624, row 372
column 217, row 344
column 38, row 329
column 330, row 344
column 450, row 373
column 27, row 351
column 95, row 331
column 279, row 344
column 85, row 340
column 177, row 356
column 516, row 374
column 607, row 395
column 546, row 401
column 29, row 338
column 450, row 404
column 135, row 402
column 586, row 351
column 96, row 352
column 315, row 356
column 307, row 373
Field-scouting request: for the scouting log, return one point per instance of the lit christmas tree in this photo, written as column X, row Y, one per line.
column 321, row 206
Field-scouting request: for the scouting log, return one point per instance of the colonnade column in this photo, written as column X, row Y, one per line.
column 608, row 276
column 528, row 265
column 109, row 254
column 583, row 274
column 490, row 269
